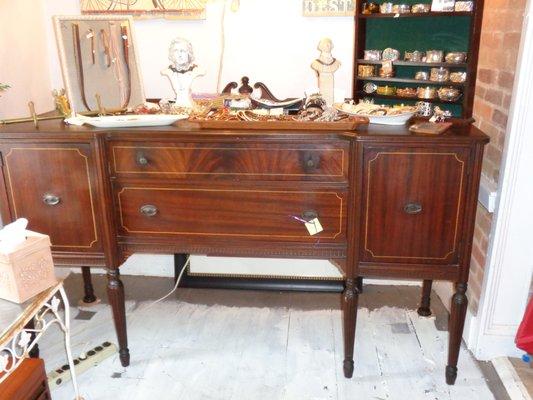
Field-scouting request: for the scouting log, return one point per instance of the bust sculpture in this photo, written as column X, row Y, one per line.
column 182, row 71
column 325, row 66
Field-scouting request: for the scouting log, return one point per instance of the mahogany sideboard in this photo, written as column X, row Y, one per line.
column 391, row 203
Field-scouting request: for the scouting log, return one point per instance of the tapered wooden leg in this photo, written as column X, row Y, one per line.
column 179, row 262
column 424, row 309
column 115, row 293
column 87, row 286
column 350, row 297
column 456, row 325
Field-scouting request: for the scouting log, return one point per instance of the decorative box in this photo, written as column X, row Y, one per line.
column 28, row 269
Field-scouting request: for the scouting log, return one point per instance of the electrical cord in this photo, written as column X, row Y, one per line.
column 185, row 266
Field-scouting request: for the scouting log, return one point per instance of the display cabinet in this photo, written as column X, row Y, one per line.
column 447, row 31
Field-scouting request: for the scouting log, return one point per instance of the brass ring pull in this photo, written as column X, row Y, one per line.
column 413, row 208
column 148, row 210
column 51, row 200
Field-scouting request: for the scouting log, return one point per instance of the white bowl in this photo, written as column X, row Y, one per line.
column 398, row 119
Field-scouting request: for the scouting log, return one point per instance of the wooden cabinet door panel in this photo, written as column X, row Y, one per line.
column 247, row 213
column 413, row 204
column 326, row 162
column 53, row 187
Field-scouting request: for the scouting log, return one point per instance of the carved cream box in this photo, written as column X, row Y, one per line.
column 28, row 269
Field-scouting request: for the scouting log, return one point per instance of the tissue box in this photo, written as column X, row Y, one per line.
column 28, row 269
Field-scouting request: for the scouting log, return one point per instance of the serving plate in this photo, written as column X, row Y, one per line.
column 130, row 121
column 398, row 119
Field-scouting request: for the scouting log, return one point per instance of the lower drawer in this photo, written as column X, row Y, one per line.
column 263, row 214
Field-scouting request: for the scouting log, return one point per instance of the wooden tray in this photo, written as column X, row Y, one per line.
column 430, row 128
column 348, row 124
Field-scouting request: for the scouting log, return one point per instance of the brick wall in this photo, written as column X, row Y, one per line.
column 500, row 40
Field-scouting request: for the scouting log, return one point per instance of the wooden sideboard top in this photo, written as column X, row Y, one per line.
column 58, row 129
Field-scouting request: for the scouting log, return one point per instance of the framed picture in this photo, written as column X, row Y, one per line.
column 99, row 62
column 328, row 8
column 175, row 9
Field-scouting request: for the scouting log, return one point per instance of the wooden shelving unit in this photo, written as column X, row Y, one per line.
column 403, row 99
column 407, row 80
column 446, row 31
column 418, row 15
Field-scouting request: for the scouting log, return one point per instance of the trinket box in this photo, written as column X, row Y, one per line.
column 406, row 92
column 372, row 55
column 439, row 74
column 28, row 269
column 366, row 71
column 458, row 77
column 427, row 92
column 386, row 90
column 434, row 56
column 456, row 57
column 420, row 8
column 422, row 76
column 401, row 9
column 449, row 93
column 413, row 56
column 462, row 6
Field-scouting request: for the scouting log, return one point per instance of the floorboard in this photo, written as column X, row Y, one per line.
column 233, row 345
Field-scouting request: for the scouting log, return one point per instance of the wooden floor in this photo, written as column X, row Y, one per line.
column 218, row 344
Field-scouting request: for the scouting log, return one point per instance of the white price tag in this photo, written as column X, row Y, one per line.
column 314, row 226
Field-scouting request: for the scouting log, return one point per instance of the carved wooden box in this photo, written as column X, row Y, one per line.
column 27, row 270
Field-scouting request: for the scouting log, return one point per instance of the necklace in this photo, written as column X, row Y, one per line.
column 326, row 64
column 181, row 71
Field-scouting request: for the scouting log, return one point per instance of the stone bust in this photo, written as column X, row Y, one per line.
column 182, row 71
column 325, row 66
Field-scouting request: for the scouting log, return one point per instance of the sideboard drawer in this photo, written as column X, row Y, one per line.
column 272, row 161
column 244, row 213
column 414, row 204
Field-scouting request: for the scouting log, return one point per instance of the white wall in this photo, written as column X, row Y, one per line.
column 23, row 55
column 267, row 40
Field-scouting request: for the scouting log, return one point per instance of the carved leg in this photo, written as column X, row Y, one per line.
column 88, row 286
column 349, row 308
column 456, row 325
column 115, row 293
column 424, row 310
column 179, row 263
column 34, row 352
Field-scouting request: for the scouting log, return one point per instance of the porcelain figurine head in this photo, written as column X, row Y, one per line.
column 325, row 45
column 180, row 54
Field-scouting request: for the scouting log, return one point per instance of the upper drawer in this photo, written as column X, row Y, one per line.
column 247, row 161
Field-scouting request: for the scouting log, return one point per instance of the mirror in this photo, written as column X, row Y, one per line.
column 99, row 59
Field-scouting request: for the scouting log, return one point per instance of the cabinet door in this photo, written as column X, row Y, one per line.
column 53, row 186
column 413, row 204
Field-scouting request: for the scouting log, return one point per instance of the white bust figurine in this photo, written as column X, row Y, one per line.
column 325, row 66
column 182, row 71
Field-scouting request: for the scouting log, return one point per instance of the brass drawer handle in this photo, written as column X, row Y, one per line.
column 148, row 210
column 51, row 200
column 309, row 215
column 141, row 159
column 413, row 208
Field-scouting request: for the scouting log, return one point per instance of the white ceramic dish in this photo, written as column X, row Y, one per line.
column 398, row 119
column 129, row 121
